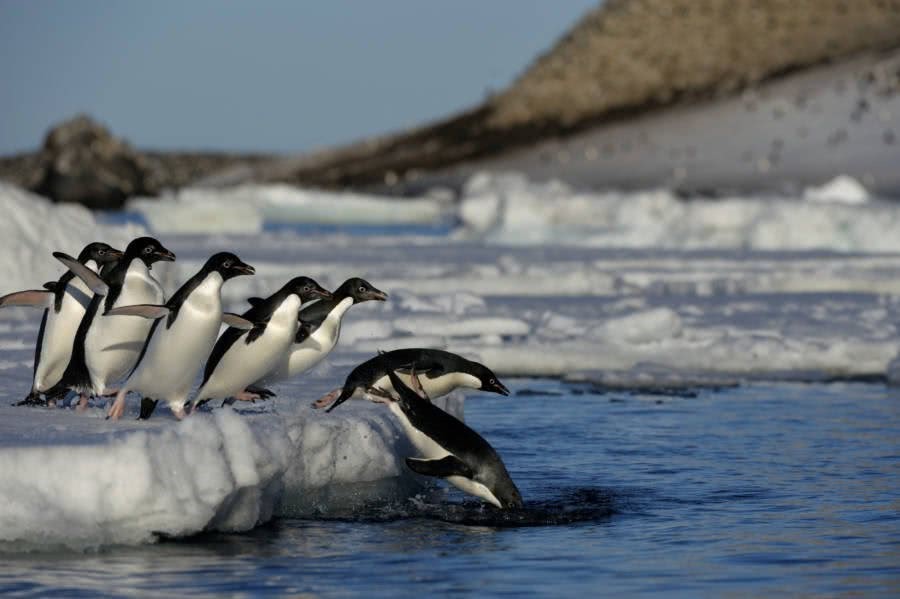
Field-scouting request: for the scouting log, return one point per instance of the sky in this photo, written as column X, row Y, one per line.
column 260, row 76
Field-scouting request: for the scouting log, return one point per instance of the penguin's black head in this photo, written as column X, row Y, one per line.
column 228, row 265
column 360, row 290
column 506, row 491
column 306, row 289
column 100, row 253
column 489, row 380
column 149, row 250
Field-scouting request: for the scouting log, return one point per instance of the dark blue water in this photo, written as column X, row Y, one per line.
column 757, row 490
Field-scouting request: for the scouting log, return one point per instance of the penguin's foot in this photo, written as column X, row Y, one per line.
column 416, row 384
column 33, row 399
column 378, row 395
column 248, row 396
column 118, row 407
column 261, row 391
column 82, row 403
column 326, row 400
column 179, row 412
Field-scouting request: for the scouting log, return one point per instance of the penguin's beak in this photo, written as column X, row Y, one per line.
column 378, row 295
column 498, row 387
column 164, row 254
column 244, row 269
column 115, row 253
column 321, row 292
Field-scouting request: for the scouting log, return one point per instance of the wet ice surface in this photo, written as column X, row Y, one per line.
column 763, row 489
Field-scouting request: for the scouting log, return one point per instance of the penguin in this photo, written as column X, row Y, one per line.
column 241, row 357
column 449, row 449
column 106, row 347
column 444, row 372
column 319, row 329
column 65, row 301
column 181, row 336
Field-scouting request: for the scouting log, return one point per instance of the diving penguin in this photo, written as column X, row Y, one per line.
column 450, row 449
column 444, row 372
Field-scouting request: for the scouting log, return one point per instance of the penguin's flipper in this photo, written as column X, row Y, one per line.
column 151, row 311
column 37, row 298
column 90, row 278
column 442, row 468
column 255, row 301
column 49, row 285
column 237, row 321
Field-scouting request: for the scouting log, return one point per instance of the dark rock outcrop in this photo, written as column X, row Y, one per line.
column 82, row 162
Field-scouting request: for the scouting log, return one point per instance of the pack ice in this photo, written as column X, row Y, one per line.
column 613, row 289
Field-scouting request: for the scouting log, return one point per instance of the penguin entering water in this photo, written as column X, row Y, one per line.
column 241, row 357
column 181, row 336
column 106, row 347
column 319, row 329
column 443, row 372
column 450, row 449
column 64, row 301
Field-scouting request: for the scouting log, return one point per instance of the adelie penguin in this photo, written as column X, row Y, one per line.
column 181, row 337
column 319, row 330
column 443, row 372
column 241, row 357
column 106, row 347
column 449, row 449
column 65, row 302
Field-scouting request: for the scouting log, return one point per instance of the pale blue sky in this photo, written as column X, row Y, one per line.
column 266, row 76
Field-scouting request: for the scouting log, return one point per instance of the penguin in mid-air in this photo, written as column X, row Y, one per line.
column 443, row 372
column 319, row 330
column 241, row 357
column 181, row 336
column 64, row 301
column 106, row 347
column 450, row 449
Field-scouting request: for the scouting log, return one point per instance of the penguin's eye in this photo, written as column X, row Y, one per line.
column 227, row 264
column 362, row 288
column 307, row 288
column 101, row 252
column 148, row 249
column 491, row 382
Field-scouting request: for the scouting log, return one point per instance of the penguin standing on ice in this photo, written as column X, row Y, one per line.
column 320, row 329
column 443, row 372
column 106, row 347
column 181, row 336
column 65, row 301
column 241, row 357
column 450, row 449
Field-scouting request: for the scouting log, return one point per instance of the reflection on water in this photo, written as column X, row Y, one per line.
column 752, row 490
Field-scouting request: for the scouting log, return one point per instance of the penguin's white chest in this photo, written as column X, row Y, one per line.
column 60, row 330
column 174, row 354
column 303, row 356
column 113, row 343
column 244, row 364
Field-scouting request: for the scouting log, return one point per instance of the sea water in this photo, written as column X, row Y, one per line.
column 758, row 489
